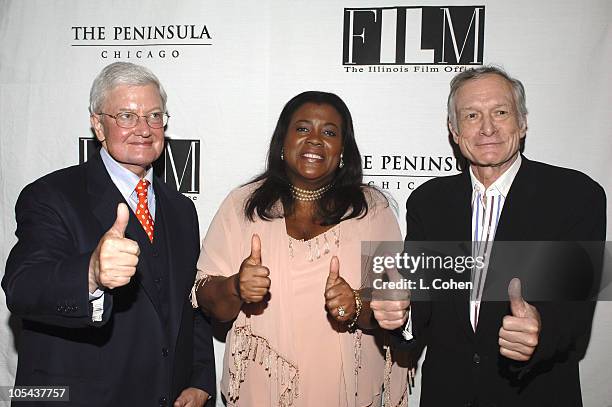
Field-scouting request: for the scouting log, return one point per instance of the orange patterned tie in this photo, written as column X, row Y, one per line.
column 142, row 211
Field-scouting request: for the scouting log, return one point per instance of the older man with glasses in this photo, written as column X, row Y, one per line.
column 104, row 263
column 506, row 341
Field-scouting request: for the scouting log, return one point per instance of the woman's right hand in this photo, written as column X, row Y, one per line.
column 253, row 281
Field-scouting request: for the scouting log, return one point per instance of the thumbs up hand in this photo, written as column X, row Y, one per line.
column 113, row 262
column 390, row 314
column 253, row 278
column 391, row 307
column 339, row 297
column 520, row 332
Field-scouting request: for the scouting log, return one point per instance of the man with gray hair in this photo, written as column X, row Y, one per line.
column 503, row 351
column 104, row 263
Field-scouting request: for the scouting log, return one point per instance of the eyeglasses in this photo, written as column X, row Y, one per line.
column 127, row 120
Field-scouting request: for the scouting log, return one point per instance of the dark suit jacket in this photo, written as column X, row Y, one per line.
column 463, row 368
column 145, row 350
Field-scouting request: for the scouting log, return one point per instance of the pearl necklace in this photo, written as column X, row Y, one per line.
column 308, row 195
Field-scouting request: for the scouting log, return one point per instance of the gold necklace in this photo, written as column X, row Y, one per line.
column 307, row 194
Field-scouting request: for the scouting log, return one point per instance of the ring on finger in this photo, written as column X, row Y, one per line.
column 341, row 311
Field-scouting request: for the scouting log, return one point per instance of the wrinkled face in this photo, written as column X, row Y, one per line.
column 488, row 130
column 134, row 148
column 313, row 144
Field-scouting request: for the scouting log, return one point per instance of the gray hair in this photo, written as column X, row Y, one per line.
column 121, row 73
column 518, row 91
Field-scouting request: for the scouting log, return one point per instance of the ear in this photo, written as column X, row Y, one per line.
column 98, row 128
column 453, row 132
column 524, row 129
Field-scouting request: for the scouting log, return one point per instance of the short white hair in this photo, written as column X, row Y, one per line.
column 121, row 73
column 518, row 91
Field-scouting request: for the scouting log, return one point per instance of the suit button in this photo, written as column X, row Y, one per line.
column 476, row 358
column 163, row 402
column 155, row 253
column 157, row 280
column 164, row 352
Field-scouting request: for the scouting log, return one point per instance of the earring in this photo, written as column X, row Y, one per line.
column 282, row 154
column 341, row 161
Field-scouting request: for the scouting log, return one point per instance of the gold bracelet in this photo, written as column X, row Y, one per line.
column 194, row 289
column 358, row 304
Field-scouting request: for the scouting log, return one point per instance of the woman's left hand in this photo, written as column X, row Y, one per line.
column 339, row 296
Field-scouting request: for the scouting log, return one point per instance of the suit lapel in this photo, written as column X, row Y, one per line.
column 177, row 274
column 460, row 224
column 515, row 222
column 103, row 195
column 458, row 217
column 104, row 198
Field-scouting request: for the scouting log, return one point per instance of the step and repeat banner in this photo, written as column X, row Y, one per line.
column 229, row 67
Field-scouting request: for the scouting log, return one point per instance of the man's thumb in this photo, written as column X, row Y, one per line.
column 334, row 272
column 517, row 303
column 256, row 249
column 123, row 217
column 180, row 402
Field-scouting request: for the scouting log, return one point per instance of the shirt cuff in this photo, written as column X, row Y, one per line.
column 97, row 306
column 96, row 294
column 407, row 332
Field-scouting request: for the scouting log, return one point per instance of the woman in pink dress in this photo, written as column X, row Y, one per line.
column 282, row 259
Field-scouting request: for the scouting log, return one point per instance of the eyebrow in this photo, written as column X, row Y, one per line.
column 310, row 122
column 127, row 109
column 494, row 106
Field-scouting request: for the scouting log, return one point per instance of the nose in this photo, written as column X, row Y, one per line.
column 314, row 138
column 487, row 127
column 314, row 141
column 142, row 127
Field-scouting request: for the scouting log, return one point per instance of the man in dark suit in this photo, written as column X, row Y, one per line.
column 104, row 264
column 498, row 353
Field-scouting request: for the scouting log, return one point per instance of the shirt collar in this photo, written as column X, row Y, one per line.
column 501, row 184
column 124, row 179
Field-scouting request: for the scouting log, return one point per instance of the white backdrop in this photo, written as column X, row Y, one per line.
column 241, row 61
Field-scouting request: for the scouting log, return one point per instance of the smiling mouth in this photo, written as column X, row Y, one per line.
column 141, row 144
column 312, row 157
